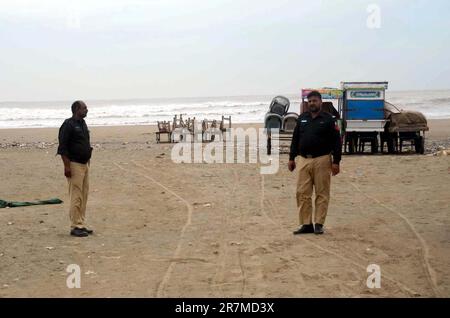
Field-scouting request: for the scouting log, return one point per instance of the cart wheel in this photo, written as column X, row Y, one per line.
column 269, row 145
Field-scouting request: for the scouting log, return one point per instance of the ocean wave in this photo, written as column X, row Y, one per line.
column 441, row 100
column 113, row 113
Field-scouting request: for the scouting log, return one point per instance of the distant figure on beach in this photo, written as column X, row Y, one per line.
column 75, row 150
column 316, row 140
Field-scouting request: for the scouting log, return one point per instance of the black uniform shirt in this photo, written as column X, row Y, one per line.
column 74, row 140
column 316, row 137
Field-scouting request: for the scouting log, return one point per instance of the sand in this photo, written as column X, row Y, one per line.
column 220, row 230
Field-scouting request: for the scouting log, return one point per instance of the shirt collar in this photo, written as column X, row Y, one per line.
column 320, row 114
column 77, row 120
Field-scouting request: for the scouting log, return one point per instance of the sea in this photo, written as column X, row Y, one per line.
column 242, row 109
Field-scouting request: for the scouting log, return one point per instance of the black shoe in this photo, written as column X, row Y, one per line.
column 305, row 229
column 78, row 232
column 88, row 231
column 318, row 228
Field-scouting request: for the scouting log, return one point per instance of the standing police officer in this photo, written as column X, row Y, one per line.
column 316, row 140
column 75, row 150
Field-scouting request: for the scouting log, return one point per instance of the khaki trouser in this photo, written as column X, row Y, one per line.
column 313, row 172
column 78, row 192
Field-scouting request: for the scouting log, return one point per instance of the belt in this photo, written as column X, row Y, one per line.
column 308, row 156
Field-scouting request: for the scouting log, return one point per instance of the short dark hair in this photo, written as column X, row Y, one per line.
column 314, row 94
column 77, row 104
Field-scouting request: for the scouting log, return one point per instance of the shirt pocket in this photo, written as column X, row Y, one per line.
column 302, row 125
column 77, row 132
column 323, row 128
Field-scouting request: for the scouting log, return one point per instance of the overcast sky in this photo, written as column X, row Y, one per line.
column 106, row 49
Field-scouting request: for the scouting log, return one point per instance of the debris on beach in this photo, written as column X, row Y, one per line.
column 445, row 152
column 30, row 145
column 440, row 151
column 206, row 204
column 111, row 257
column 435, row 146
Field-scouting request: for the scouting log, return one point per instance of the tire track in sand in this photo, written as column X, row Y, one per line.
column 218, row 279
column 430, row 273
column 160, row 292
column 244, row 278
column 326, row 250
column 219, row 275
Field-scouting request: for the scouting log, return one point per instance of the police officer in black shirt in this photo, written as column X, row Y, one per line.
column 317, row 143
column 75, row 150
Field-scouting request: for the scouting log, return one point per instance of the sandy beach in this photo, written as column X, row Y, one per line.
column 220, row 230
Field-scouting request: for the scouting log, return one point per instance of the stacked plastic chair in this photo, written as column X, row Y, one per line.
column 278, row 116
